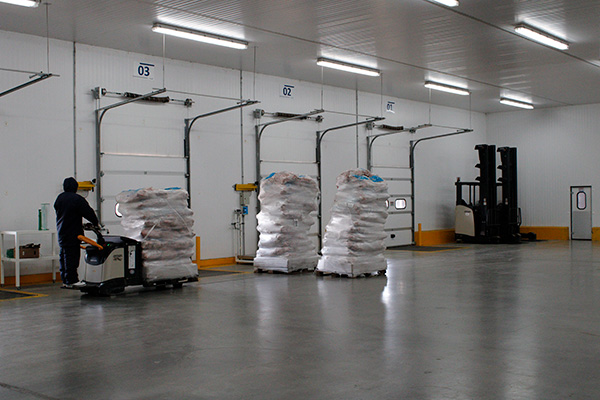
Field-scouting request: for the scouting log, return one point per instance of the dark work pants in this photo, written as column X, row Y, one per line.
column 69, row 262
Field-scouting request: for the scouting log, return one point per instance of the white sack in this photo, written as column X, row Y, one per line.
column 288, row 203
column 163, row 222
column 353, row 243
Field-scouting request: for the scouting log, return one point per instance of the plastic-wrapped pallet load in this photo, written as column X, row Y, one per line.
column 288, row 203
column 353, row 243
column 163, row 222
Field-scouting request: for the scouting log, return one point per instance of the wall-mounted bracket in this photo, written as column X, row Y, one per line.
column 40, row 77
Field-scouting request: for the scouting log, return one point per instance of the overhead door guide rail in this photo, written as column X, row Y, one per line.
column 100, row 112
column 189, row 123
column 320, row 136
column 40, row 77
column 390, row 169
column 413, row 144
column 260, row 129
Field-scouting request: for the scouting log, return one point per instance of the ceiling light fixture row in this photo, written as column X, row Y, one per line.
column 321, row 61
column 447, row 88
column 541, row 37
column 464, row 92
column 212, row 38
column 199, row 36
column 522, row 29
column 530, row 32
column 449, row 3
column 516, row 103
column 343, row 66
column 24, row 3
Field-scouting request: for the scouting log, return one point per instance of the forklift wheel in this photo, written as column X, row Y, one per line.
column 177, row 285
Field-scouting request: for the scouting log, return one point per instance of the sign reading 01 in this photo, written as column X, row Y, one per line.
column 390, row 107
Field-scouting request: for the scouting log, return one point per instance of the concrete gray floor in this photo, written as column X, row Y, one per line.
column 481, row 322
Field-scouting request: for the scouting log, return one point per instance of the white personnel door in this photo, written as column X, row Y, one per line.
column 581, row 212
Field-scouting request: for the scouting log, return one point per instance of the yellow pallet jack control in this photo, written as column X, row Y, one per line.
column 86, row 185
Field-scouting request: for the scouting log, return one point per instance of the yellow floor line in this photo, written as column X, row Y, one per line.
column 439, row 251
column 223, row 270
column 429, row 251
column 214, row 267
column 29, row 294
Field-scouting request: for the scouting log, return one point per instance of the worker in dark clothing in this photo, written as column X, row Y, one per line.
column 70, row 209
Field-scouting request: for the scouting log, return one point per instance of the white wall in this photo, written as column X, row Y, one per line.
column 37, row 135
column 556, row 149
column 36, row 129
column 439, row 162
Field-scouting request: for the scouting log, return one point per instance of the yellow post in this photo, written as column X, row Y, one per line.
column 418, row 240
column 197, row 251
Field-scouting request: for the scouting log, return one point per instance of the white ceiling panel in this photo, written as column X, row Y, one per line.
column 410, row 41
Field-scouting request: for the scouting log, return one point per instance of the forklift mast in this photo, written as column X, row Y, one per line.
column 486, row 218
column 493, row 221
column 509, row 208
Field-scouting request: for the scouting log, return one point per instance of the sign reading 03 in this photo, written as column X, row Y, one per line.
column 144, row 70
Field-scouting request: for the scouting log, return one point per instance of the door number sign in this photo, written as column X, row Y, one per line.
column 390, row 107
column 144, row 71
column 287, row 91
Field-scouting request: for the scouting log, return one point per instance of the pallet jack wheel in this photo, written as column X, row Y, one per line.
column 119, row 289
column 91, row 291
column 177, row 285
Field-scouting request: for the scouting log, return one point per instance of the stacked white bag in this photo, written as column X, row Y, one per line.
column 354, row 237
column 288, row 203
column 163, row 222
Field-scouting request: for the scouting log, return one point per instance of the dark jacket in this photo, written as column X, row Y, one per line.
column 70, row 208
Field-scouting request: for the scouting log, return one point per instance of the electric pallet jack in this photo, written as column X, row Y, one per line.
column 114, row 262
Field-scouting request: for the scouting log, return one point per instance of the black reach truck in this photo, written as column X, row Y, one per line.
column 479, row 216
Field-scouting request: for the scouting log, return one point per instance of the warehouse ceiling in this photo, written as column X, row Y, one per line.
column 473, row 45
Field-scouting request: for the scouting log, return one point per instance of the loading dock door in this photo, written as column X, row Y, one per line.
column 390, row 161
column 581, row 212
column 134, row 158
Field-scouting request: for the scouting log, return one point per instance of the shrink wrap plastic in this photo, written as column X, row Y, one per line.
column 287, row 206
column 162, row 221
column 354, row 237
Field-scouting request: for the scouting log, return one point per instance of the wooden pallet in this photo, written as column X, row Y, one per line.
column 336, row 275
column 270, row 271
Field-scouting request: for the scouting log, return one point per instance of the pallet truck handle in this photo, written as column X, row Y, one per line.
column 89, row 241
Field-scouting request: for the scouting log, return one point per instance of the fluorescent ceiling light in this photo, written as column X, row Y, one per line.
column 449, row 3
column 541, row 37
column 516, row 103
column 446, row 88
column 357, row 69
column 24, row 3
column 200, row 36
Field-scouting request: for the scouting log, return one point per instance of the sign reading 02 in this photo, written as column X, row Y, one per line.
column 287, row 91
column 144, row 70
